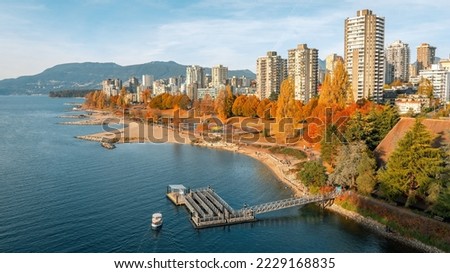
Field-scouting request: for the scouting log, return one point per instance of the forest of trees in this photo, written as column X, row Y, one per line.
column 69, row 93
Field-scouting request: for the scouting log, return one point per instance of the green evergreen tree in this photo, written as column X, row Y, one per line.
column 386, row 121
column 356, row 128
column 414, row 167
column 366, row 180
column 330, row 144
column 313, row 174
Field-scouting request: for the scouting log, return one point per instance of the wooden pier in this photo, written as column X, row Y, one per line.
column 208, row 209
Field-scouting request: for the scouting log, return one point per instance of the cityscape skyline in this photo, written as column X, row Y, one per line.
column 36, row 35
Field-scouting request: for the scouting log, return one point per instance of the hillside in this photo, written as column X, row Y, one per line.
column 440, row 129
column 90, row 75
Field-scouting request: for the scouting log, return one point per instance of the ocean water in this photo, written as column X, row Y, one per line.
column 61, row 194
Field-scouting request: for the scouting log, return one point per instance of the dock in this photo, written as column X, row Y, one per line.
column 208, row 209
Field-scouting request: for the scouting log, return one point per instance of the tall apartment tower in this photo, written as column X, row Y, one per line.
column 195, row 75
column 364, row 54
column 147, row 81
column 303, row 68
column 271, row 70
column 219, row 75
column 331, row 61
column 397, row 62
column 425, row 56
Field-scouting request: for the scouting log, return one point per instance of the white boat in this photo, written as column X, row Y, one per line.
column 157, row 220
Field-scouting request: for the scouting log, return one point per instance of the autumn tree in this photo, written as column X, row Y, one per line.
column 146, row 95
column 238, row 105
column 250, row 106
column 123, row 98
column 224, row 103
column 286, row 107
column 263, row 109
column 414, row 166
column 207, row 105
column 156, row 102
column 181, row 102
column 167, row 101
column 336, row 88
column 425, row 88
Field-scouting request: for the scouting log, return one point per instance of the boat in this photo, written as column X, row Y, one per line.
column 157, row 220
column 108, row 145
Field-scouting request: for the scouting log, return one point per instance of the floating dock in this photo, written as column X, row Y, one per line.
column 208, row 209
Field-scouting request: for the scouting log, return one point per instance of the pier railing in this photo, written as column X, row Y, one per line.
column 287, row 203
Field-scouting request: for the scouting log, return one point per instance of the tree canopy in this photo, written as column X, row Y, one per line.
column 414, row 166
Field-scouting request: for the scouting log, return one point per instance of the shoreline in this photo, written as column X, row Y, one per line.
column 140, row 133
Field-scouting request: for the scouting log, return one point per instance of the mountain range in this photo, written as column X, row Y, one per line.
column 89, row 75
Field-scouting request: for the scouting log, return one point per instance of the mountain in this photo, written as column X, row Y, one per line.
column 90, row 75
column 322, row 64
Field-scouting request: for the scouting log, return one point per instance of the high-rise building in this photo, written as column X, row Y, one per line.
column 440, row 79
column 195, row 75
column 412, row 70
column 147, row 81
column 219, row 75
column 425, row 56
column 133, row 84
column 397, row 62
column 303, row 69
column 445, row 64
column 331, row 61
column 271, row 70
column 364, row 54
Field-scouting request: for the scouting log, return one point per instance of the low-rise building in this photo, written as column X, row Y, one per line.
column 412, row 103
column 213, row 92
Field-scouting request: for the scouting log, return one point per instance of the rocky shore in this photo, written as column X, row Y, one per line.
column 381, row 229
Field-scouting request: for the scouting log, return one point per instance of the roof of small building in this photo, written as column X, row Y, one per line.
column 439, row 127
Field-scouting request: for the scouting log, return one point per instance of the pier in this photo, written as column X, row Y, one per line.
column 208, row 209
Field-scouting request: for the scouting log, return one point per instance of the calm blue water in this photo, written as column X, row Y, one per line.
column 60, row 194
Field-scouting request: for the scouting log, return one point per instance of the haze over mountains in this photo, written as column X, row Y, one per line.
column 89, row 75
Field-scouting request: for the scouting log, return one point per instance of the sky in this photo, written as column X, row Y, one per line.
column 36, row 35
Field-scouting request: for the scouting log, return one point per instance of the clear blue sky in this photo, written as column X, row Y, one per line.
column 35, row 35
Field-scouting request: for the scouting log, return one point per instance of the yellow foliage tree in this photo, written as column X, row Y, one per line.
column 238, row 105
column 425, row 88
column 263, row 109
column 336, row 88
column 286, row 107
column 224, row 103
column 250, row 106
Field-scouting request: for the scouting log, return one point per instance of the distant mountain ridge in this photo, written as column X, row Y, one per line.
column 89, row 75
